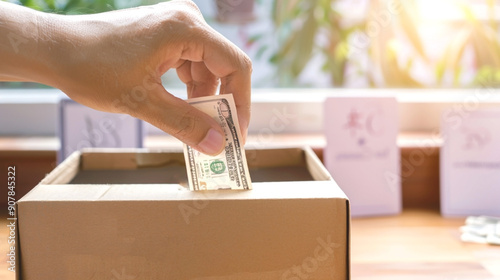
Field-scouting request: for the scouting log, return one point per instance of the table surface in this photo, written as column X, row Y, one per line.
column 417, row 244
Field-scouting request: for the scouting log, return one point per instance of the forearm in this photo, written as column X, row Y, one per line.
column 114, row 62
column 25, row 44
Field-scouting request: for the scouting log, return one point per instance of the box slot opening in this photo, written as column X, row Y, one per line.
column 177, row 175
column 278, row 165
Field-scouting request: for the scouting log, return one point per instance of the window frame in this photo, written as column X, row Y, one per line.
column 276, row 111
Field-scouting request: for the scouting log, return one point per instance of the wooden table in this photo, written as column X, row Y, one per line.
column 417, row 244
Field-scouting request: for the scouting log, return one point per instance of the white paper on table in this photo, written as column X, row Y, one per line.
column 470, row 163
column 362, row 154
column 83, row 127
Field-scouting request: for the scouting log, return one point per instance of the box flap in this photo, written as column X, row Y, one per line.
column 154, row 192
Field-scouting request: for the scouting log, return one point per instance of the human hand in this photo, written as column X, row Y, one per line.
column 114, row 62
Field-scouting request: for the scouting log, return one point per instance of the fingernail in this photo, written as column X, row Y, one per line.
column 212, row 143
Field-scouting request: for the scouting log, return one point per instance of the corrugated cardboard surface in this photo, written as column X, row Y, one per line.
column 279, row 230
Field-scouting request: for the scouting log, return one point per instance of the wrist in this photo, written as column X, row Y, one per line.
column 38, row 44
column 55, row 44
column 17, row 42
column 25, row 38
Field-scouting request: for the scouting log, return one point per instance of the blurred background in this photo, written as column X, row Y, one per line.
column 344, row 43
column 439, row 58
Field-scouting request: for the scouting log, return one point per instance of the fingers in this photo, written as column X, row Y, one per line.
column 205, row 57
column 198, row 79
column 242, row 99
column 181, row 120
column 235, row 69
column 226, row 61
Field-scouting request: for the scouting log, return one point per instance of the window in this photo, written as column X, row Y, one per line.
column 374, row 43
column 332, row 44
column 342, row 43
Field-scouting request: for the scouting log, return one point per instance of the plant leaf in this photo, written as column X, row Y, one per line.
column 304, row 45
column 408, row 25
column 260, row 52
column 456, row 50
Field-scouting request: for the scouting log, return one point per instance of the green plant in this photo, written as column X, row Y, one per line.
column 482, row 38
column 305, row 29
column 385, row 49
column 77, row 6
column 298, row 25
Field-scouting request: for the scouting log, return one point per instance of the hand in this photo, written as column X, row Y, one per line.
column 114, row 62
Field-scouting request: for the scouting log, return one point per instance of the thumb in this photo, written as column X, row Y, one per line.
column 183, row 121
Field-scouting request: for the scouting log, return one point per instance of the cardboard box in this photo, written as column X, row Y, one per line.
column 129, row 215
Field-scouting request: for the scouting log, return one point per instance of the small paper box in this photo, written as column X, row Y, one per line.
column 83, row 127
column 128, row 215
column 362, row 153
column 470, row 163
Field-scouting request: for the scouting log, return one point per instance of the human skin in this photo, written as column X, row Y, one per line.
column 114, row 61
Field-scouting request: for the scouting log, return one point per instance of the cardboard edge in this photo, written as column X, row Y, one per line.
column 17, row 246
column 92, row 157
column 127, row 158
column 320, row 173
column 159, row 158
column 64, row 172
column 314, row 165
column 91, row 160
column 79, row 192
column 348, row 239
column 132, row 158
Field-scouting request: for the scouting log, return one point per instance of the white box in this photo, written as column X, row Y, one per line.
column 470, row 163
column 83, row 127
column 362, row 153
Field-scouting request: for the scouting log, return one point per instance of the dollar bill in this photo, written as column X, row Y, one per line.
column 229, row 169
